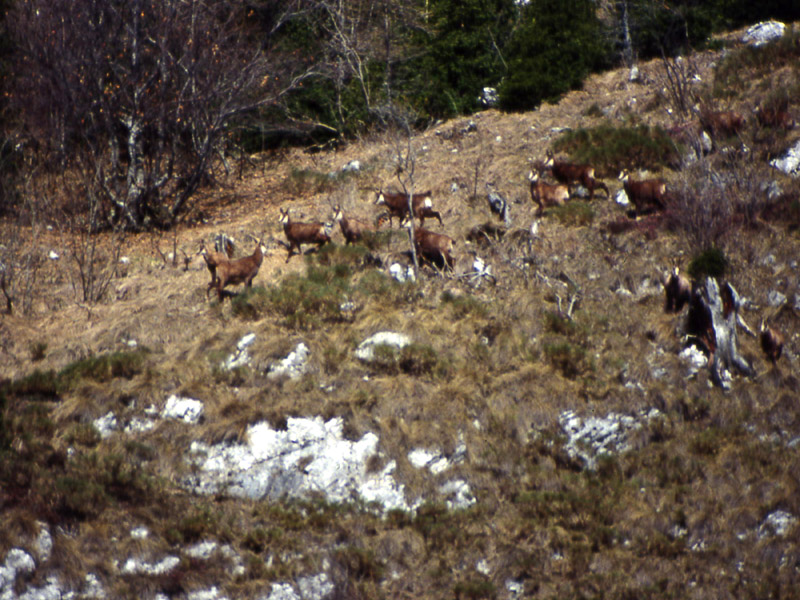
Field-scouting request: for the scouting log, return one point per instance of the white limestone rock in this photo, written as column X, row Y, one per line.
column 396, row 341
column 310, row 456
column 763, row 33
column 293, row 366
column 187, row 410
column 789, row 163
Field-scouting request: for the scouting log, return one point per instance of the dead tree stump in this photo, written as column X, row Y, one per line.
column 712, row 320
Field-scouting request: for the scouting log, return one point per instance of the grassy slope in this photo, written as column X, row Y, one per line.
column 496, row 364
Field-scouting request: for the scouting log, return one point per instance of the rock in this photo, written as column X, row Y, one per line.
column 696, row 359
column 183, row 409
column 593, row 437
column 401, row 273
column 763, row 33
column 106, row 425
column 353, row 166
column 366, row 349
column 134, row 566
column 776, row 299
column 457, row 494
column 309, row 457
column 317, row 587
column 281, row 591
column 789, row 163
column 621, row 198
column 241, row 357
column 293, row 366
column 777, row 523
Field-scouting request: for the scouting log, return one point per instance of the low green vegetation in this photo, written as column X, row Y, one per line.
column 610, row 148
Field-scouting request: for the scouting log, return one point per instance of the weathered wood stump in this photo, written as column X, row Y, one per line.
column 712, row 321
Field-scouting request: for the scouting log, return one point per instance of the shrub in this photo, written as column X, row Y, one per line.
column 609, row 148
column 709, row 263
column 318, row 296
column 576, row 214
column 568, row 358
column 464, row 305
column 103, row 368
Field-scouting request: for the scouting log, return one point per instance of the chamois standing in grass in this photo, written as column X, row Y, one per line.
column 771, row 342
column 212, row 258
column 646, row 195
column 569, row 173
column 770, row 116
column 547, row 194
column 678, row 291
column 352, row 229
column 303, row 233
column 397, row 205
column 436, row 248
column 721, row 123
column 242, row 270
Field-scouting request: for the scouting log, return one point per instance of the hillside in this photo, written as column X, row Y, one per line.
column 542, row 434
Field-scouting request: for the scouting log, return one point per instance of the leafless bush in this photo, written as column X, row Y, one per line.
column 708, row 204
column 675, row 77
column 95, row 259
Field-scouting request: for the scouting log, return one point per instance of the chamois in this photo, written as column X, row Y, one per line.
column 434, row 247
column 303, row 233
column 770, row 116
column 212, row 259
column 353, row 229
column 771, row 342
column 678, row 291
column 547, row 194
column 242, row 270
column 646, row 195
column 397, row 205
column 568, row 173
column 721, row 122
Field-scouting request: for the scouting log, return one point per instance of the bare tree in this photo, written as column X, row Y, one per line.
column 137, row 95
column 364, row 39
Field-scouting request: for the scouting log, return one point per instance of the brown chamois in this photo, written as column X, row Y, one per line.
column 397, row 205
column 303, row 233
column 568, row 174
column 721, row 122
column 242, row 270
column 212, row 258
column 770, row 116
column 547, row 194
column 646, row 195
column 352, row 229
column 771, row 342
column 436, row 248
column 678, row 291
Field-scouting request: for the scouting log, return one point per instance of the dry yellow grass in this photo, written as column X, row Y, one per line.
column 493, row 365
